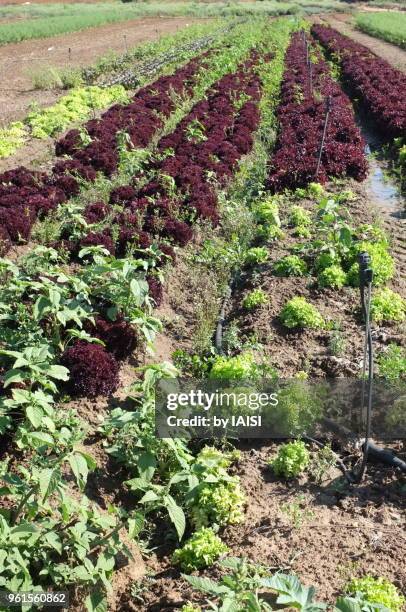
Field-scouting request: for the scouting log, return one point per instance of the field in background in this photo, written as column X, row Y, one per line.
column 31, row 21
column 389, row 26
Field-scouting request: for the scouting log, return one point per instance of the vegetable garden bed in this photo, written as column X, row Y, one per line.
column 175, row 185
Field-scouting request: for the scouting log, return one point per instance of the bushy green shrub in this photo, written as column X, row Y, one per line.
column 333, row 276
column 382, row 262
column 291, row 265
column 256, row 255
column 201, row 550
column 255, row 298
column 240, row 367
column 297, row 312
column 299, row 217
column 392, row 363
column 387, row 305
column 377, row 590
column 292, row 459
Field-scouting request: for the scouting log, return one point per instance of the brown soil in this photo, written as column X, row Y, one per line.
column 289, row 350
column 340, row 531
column 391, row 53
column 18, row 61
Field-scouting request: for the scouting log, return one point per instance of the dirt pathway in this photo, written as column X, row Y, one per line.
column 391, row 53
column 19, row 61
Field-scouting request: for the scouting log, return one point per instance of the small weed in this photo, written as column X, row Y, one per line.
column 298, row 511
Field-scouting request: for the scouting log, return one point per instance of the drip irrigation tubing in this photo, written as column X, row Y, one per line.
column 130, row 78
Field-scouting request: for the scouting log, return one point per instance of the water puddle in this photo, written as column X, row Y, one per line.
column 381, row 188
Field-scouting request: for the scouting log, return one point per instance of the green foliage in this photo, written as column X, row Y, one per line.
column 299, row 406
column 315, row 190
column 189, row 607
column 390, row 26
column 332, row 276
column 387, row 306
column 12, row 138
column 255, row 298
column 217, row 499
column 249, row 586
column 292, row 459
column 201, row 550
column 299, row 217
column 392, row 362
column 270, row 233
column 240, row 367
column 256, row 255
column 75, row 106
column 382, row 262
column 326, row 260
column 298, row 312
column 267, row 212
column 302, row 231
column 291, row 265
column 221, row 504
column 377, row 591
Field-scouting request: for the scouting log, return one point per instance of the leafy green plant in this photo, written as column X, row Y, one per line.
column 256, row 255
column 292, row 459
column 242, row 366
column 377, row 591
column 201, row 550
column 189, row 607
column 299, row 217
column 382, row 262
column 326, row 259
column 255, row 298
column 392, row 362
column 267, row 212
column 298, row 312
column 321, row 462
column 387, row 305
column 76, row 105
column 291, row 265
column 247, row 585
column 69, row 539
column 302, row 231
column 332, row 276
column 315, row 190
column 298, row 511
column 12, row 138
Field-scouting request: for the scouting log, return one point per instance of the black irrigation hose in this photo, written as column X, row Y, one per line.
column 131, row 77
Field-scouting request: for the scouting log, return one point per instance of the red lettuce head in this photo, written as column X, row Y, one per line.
column 93, row 371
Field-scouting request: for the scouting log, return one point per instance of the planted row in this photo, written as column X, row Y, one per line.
column 140, row 120
column 380, row 88
column 26, row 194
column 307, row 87
column 204, row 150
